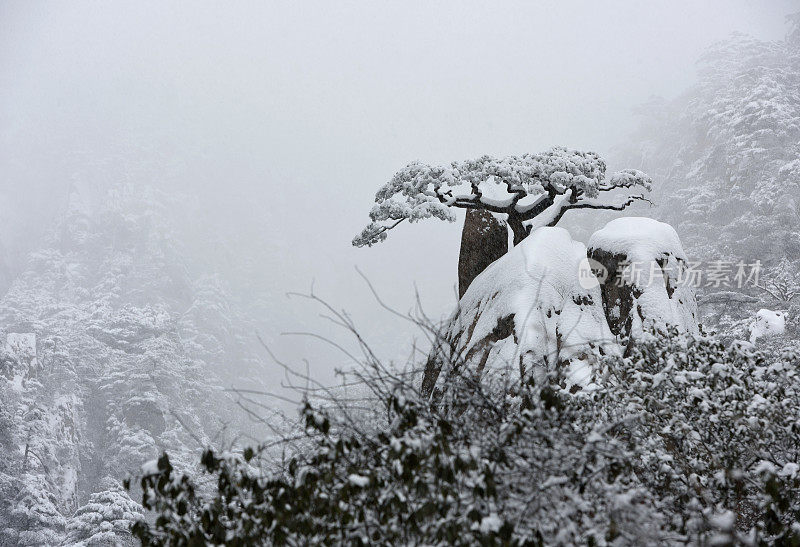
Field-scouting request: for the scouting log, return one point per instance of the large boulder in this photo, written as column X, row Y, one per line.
column 484, row 239
column 645, row 285
column 528, row 312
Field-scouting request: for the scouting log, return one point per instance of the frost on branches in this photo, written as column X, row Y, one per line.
column 531, row 191
column 682, row 442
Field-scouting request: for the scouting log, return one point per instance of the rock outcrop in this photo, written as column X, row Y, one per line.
column 528, row 312
column 551, row 302
column 484, row 239
column 645, row 283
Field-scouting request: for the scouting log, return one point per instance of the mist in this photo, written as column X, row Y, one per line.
column 267, row 128
column 282, row 119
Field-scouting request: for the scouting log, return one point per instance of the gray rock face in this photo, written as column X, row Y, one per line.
column 484, row 239
column 618, row 297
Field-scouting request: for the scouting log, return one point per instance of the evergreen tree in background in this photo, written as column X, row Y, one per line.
column 725, row 158
column 106, row 519
column 122, row 367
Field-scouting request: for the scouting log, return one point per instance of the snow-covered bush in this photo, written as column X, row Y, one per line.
column 717, row 432
column 685, row 441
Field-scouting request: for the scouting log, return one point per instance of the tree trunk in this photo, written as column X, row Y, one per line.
column 517, row 228
column 483, row 240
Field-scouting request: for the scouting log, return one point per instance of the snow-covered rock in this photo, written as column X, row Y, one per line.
column 528, row 310
column 645, row 281
column 768, row 323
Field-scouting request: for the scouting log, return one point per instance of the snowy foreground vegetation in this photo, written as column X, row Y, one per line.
column 678, row 439
column 686, row 442
column 683, row 441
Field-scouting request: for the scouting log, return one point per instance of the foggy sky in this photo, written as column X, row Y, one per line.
column 287, row 116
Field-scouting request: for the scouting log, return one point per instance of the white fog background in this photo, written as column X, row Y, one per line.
column 281, row 119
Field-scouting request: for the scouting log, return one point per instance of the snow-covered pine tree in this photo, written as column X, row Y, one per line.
column 106, row 518
column 725, row 160
column 112, row 381
column 527, row 191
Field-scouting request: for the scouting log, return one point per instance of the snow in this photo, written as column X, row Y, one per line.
column 790, row 470
column 765, row 466
column 768, row 323
column 150, row 467
column 358, row 480
column 17, row 383
column 530, row 201
column 555, row 319
column 724, row 521
column 549, row 215
column 641, row 239
column 579, row 372
column 490, row 523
